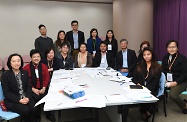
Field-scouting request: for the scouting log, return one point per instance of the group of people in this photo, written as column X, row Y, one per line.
column 24, row 86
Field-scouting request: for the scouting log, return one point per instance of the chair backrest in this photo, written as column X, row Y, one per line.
column 1, row 93
column 161, row 85
column 26, row 59
column 1, row 64
column 5, row 63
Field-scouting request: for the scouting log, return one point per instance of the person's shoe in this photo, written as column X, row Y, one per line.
column 185, row 100
column 49, row 118
column 184, row 111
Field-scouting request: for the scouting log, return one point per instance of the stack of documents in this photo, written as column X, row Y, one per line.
column 120, row 79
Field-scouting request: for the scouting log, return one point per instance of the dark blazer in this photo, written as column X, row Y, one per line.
column 90, row 45
column 114, row 44
column 89, row 60
column 179, row 68
column 131, row 61
column 109, row 57
column 152, row 81
column 10, row 87
column 69, row 37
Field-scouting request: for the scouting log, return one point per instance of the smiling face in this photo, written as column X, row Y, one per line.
column 109, row 34
column 35, row 58
column 15, row 62
column 147, row 55
column 172, row 48
column 51, row 55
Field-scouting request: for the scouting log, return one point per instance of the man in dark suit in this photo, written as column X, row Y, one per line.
column 75, row 37
column 126, row 59
column 103, row 58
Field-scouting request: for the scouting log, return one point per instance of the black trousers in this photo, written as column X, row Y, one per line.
column 26, row 111
column 150, row 107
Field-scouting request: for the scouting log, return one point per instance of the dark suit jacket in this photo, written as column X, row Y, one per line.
column 69, row 38
column 152, row 81
column 109, row 57
column 10, row 87
column 131, row 61
column 179, row 68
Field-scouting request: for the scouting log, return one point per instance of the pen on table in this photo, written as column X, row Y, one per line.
column 147, row 97
column 122, row 83
column 59, row 104
column 117, row 76
column 114, row 94
column 81, row 100
column 83, row 85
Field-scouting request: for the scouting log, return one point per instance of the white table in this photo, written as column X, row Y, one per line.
column 97, row 86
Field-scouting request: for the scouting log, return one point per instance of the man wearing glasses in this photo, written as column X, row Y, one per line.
column 75, row 37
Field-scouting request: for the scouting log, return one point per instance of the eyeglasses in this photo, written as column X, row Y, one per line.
column 75, row 25
column 172, row 47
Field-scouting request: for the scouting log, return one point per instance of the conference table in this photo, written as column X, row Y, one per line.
column 103, row 88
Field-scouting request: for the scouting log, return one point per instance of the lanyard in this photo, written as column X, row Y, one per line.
column 94, row 43
column 172, row 62
column 50, row 64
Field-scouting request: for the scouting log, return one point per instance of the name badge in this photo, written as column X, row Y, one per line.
column 36, row 72
column 94, row 52
column 109, row 47
column 103, row 60
column 83, row 65
column 169, row 77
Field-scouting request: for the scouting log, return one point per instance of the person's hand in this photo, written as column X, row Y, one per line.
column 124, row 70
column 42, row 91
column 138, row 84
column 36, row 91
column 51, row 69
column 22, row 101
column 172, row 84
column 93, row 55
column 26, row 100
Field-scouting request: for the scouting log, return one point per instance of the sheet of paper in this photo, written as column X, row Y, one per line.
column 50, row 97
column 96, row 101
column 116, row 97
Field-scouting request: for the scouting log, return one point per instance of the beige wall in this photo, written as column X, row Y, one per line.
column 20, row 19
column 133, row 20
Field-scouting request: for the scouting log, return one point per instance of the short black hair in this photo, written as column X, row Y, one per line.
column 34, row 51
column 41, row 25
column 170, row 41
column 74, row 21
column 64, row 44
column 9, row 60
column 103, row 42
